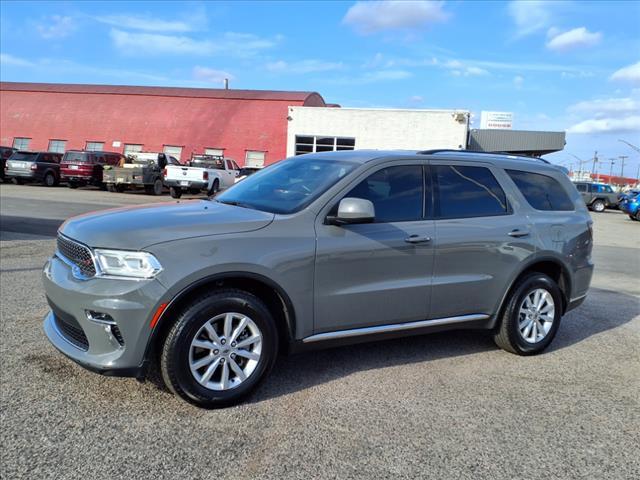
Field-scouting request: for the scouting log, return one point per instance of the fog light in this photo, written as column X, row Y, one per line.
column 100, row 317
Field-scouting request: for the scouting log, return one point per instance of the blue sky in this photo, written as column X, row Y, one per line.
column 571, row 66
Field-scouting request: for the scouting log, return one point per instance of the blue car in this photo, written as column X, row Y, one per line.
column 631, row 206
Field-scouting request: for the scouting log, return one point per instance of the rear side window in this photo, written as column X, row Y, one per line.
column 581, row 187
column 541, row 191
column 463, row 192
column 396, row 193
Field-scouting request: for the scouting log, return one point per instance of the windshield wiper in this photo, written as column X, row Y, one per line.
column 234, row 203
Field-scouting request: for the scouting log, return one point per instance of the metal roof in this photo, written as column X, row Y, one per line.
column 303, row 97
column 514, row 141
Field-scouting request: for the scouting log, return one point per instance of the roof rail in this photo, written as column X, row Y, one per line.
column 477, row 152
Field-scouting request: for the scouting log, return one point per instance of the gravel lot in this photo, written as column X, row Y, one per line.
column 447, row 405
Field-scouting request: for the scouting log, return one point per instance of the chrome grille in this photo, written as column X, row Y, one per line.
column 77, row 254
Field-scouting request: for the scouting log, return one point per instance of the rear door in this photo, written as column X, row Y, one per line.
column 377, row 273
column 479, row 240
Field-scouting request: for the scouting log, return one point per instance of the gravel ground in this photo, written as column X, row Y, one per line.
column 448, row 405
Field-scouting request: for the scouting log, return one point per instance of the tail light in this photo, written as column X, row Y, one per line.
column 205, row 175
column 164, row 173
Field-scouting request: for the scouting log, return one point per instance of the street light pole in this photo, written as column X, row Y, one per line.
column 595, row 160
column 612, row 160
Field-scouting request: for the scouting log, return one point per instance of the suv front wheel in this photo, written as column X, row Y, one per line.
column 531, row 316
column 220, row 348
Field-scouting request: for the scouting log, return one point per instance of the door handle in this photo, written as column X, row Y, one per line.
column 417, row 239
column 518, row 233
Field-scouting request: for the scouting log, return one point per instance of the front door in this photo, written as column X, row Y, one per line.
column 377, row 273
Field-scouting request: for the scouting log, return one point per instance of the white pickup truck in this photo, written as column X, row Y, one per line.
column 203, row 172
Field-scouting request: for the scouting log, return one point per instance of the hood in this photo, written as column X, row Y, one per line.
column 134, row 228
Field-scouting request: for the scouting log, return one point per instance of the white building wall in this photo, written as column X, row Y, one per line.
column 382, row 128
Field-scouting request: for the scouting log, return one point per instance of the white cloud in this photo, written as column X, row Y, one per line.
column 230, row 43
column 577, row 74
column 518, row 81
column 607, row 106
column 459, row 69
column 303, row 66
column 376, row 16
column 10, row 60
column 374, row 76
column 416, row 100
column 149, row 24
column 530, row 16
column 575, row 38
column 56, row 26
column 210, row 75
column 630, row 73
column 607, row 125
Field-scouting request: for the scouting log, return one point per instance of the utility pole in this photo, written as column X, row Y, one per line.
column 612, row 160
column 622, row 158
column 595, row 160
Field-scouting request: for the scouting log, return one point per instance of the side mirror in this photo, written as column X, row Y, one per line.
column 352, row 211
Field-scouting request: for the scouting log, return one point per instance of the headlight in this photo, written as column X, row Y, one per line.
column 121, row 263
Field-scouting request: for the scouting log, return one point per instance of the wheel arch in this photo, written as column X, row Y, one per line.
column 274, row 296
column 549, row 265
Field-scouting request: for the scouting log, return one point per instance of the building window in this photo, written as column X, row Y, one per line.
column 132, row 148
column 254, row 158
column 310, row 144
column 218, row 152
column 57, row 146
column 173, row 151
column 21, row 143
column 94, row 146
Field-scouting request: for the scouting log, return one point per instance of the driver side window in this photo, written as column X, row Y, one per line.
column 397, row 193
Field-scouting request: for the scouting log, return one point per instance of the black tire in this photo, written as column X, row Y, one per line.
column 49, row 180
column 73, row 185
column 157, row 187
column 17, row 181
column 598, row 206
column 508, row 336
column 111, row 187
column 638, row 215
column 174, row 358
column 214, row 188
column 175, row 192
column 120, row 187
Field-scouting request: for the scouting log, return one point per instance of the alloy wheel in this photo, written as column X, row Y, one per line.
column 536, row 315
column 225, row 351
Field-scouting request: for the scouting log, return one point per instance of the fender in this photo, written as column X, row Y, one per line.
column 289, row 309
column 545, row 257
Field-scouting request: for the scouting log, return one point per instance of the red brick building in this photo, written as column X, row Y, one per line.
column 243, row 124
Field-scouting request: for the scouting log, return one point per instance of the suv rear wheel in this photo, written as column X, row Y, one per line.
column 220, row 348
column 175, row 192
column 598, row 206
column 531, row 316
column 50, row 180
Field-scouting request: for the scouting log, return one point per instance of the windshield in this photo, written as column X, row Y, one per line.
column 78, row 157
column 30, row 157
column 287, row 186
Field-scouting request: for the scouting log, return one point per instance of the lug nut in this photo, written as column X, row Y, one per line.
column 223, row 341
column 216, row 352
column 233, row 355
column 233, row 344
column 222, row 360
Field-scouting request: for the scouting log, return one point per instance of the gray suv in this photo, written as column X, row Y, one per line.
column 316, row 251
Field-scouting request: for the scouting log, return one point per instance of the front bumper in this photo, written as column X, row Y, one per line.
column 96, row 345
column 186, row 184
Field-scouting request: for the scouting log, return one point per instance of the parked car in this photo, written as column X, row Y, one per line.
column 140, row 169
column 627, row 194
column 80, row 167
column 319, row 250
column 597, row 196
column 209, row 173
column 42, row 167
column 246, row 171
column 630, row 205
column 5, row 153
